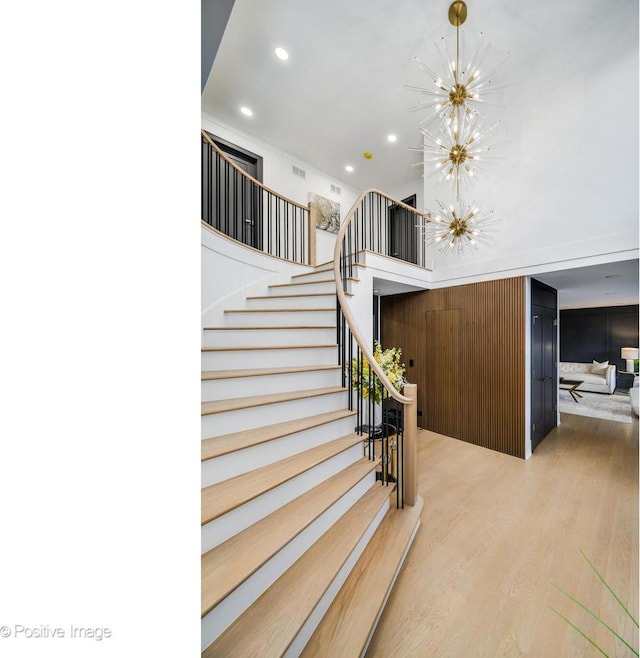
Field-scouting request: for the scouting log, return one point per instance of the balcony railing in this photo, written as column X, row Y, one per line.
column 241, row 207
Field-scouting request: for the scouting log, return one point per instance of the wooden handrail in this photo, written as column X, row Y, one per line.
column 348, row 315
column 246, row 175
column 410, row 450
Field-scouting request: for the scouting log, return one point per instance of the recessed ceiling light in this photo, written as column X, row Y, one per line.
column 282, row 53
column 349, row 168
column 246, row 111
column 392, row 138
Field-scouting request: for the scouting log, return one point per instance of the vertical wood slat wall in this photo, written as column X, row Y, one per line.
column 467, row 344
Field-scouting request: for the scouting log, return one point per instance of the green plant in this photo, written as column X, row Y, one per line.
column 593, row 614
column 364, row 379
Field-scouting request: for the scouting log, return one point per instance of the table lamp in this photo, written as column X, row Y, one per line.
column 629, row 353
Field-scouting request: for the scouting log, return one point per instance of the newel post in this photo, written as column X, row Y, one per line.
column 411, row 445
column 313, row 211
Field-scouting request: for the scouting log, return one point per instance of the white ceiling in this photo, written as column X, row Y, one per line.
column 613, row 284
column 343, row 88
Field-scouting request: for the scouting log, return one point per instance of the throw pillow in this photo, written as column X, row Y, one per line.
column 599, row 368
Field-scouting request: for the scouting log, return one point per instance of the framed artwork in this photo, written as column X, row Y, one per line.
column 327, row 213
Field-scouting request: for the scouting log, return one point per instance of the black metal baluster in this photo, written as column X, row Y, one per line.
column 400, row 494
column 294, row 229
column 286, row 229
column 209, row 194
column 218, row 201
column 218, row 194
column 277, row 223
column 225, row 211
column 339, row 340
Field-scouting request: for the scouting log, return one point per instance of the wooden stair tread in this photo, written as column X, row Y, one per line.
column 234, row 404
column 278, row 310
column 271, row 328
column 222, row 445
column 258, row 348
column 276, row 617
column 220, row 498
column 209, row 375
column 324, row 267
column 302, row 283
column 228, row 565
column 320, row 269
column 295, row 296
column 311, row 283
column 346, row 628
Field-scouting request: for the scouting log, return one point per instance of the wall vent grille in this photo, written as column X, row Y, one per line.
column 335, row 189
column 299, row 172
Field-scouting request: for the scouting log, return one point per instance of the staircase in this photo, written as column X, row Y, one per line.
column 300, row 546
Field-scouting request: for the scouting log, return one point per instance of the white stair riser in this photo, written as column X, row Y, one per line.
column 321, row 301
column 228, row 610
column 229, row 422
column 235, row 521
column 277, row 358
column 303, row 318
column 242, row 461
column 238, row 387
column 267, row 337
column 303, row 288
column 314, row 619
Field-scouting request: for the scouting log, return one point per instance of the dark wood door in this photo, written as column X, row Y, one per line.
column 445, row 402
column 403, row 234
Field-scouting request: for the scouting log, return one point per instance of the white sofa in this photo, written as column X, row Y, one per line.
column 594, row 382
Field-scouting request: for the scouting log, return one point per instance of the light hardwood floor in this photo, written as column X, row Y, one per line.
column 497, row 531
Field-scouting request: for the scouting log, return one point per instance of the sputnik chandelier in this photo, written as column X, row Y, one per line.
column 455, row 141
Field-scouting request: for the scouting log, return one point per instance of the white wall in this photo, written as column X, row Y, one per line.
column 278, row 175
